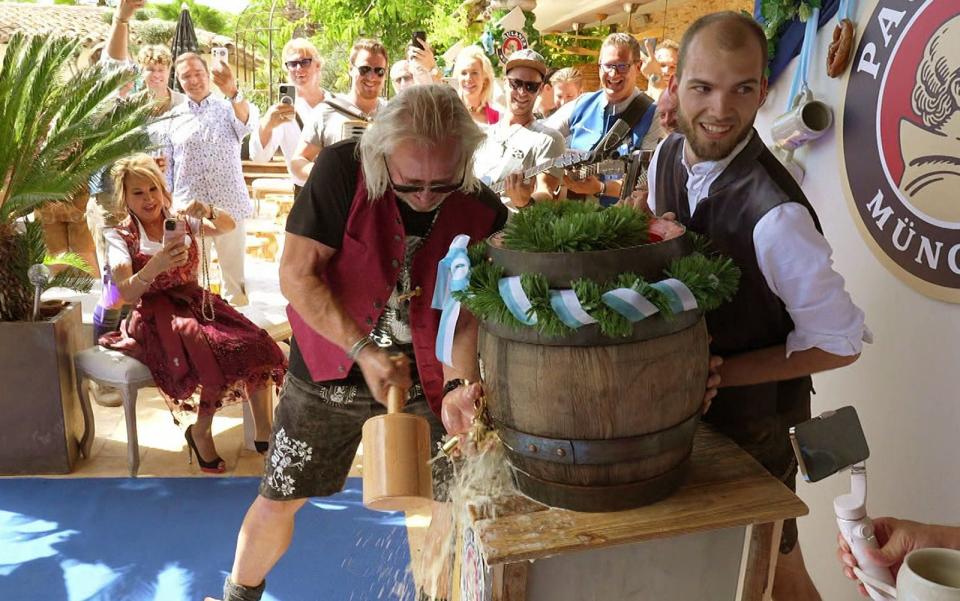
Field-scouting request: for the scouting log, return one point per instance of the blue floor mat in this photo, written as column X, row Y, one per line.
column 173, row 539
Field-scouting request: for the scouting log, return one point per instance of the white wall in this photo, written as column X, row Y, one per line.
column 905, row 385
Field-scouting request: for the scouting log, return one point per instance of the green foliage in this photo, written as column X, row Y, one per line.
column 482, row 297
column 60, row 126
column 333, row 26
column 712, row 280
column 157, row 32
column 571, row 226
column 777, row 14
column 75, row 274
column 204, row 17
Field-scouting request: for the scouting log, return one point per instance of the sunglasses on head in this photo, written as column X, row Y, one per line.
column 530, row 86
column 618, row 67
column 303, row 63
column 366, row 69
column 435, row 188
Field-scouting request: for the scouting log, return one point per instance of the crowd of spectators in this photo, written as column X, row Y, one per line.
column 528, row 117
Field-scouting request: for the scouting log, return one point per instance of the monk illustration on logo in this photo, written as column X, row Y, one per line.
column 931, row 154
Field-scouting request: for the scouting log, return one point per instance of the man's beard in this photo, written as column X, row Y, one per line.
column 709, row 150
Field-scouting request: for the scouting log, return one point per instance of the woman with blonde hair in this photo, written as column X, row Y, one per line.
column 189, row 338
column 475, row 79
column 155, row 62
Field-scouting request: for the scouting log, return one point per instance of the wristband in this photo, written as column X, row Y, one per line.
column 141, row 280
column 451, row 385
column 358, row 346
column 124, row 21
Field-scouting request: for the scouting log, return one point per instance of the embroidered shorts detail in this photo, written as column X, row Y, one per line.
column 316, row 432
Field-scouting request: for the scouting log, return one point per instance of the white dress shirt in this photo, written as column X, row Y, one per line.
column 794, row 259
column 285, row 136
column 201, row 142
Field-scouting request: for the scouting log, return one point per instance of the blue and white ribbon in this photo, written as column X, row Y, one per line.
column 845, row 10
column 511, row 291
column 453, row 275
column 568, row 308
column 799, row 83
column 678, row 295
column 629, row 303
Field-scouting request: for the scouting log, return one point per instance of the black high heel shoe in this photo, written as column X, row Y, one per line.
column 261, row 446
column 217, row 466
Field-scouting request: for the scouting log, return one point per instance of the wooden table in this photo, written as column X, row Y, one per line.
column 728, row 516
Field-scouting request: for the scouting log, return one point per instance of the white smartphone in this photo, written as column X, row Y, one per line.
column 219, row 53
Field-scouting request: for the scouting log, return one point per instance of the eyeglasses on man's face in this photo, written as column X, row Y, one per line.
column 532, row 87
column 303, row 63
column 415, row 189
column 616, row 67
column 365, row 70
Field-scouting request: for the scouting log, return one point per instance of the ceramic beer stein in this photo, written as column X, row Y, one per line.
column 807, row 120
column 930, row 575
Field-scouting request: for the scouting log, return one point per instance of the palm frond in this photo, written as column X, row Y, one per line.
column 68, row 259
column 60, row 126
column 72, row 279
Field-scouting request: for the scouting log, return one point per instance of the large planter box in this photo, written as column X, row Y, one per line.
column 41, row 423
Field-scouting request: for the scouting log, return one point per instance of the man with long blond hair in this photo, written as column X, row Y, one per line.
column 359, row 269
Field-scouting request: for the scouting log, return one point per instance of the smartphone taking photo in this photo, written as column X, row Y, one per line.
column 418, row 38
column 219, row 53
column 829, row 443
column 288, row 94
column 174, row 231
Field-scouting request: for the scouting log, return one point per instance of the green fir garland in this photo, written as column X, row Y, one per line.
column 713, row 280
column 570, row 226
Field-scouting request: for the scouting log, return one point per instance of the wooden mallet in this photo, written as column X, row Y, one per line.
column 396, row 452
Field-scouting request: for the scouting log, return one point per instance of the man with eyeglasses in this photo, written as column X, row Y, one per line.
column 359, row 268
column 344, row 116
column 585, row 121
column 283, row 123
column 520, row 142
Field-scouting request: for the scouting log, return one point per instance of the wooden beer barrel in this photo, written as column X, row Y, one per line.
column 592, row 423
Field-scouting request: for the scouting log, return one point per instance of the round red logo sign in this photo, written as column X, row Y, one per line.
column 901, row 140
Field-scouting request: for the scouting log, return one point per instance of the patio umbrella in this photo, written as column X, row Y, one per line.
column 184, row 40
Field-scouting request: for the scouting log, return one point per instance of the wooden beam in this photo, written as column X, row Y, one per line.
column 510, row 581
column 759, row 562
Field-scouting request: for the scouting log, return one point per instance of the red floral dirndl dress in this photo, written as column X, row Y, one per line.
column 226, row 358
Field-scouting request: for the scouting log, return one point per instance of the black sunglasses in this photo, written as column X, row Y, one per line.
column 366, row 69
column 530, row 86
column 435, row 188
column 303, row 63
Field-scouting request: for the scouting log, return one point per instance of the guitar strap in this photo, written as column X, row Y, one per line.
column 633, row 114
column 335, row 103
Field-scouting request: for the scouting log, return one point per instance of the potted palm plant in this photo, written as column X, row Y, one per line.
column 59, row 126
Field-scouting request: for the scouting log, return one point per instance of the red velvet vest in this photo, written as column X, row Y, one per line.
column 364, row 271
